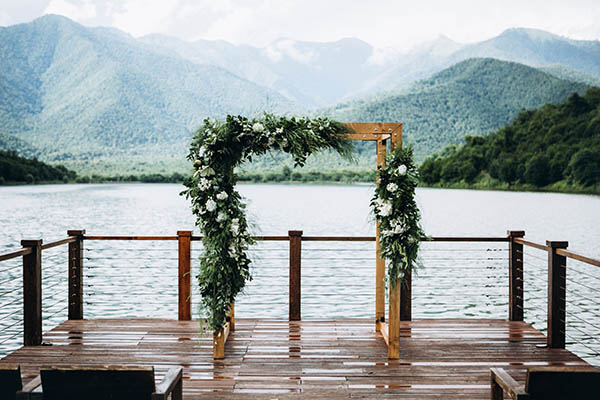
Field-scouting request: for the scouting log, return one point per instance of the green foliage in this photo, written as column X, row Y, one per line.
column 471, row 98
column 557, row 143
column 217, row 148
column 17, row 169
column 396, row 210
column 585, row 166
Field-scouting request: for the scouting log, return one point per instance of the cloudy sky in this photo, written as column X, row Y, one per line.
column 384, row 23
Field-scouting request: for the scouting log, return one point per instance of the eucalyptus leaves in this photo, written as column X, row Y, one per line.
column 216, row 149
column 396, row 210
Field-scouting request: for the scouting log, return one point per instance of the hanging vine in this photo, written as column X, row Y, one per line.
column 216, row 149
column 396, row 210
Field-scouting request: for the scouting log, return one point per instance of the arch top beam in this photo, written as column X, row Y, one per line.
column 375, row 131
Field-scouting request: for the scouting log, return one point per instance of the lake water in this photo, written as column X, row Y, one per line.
column 138, row 279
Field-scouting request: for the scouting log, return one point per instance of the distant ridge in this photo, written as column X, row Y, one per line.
column 100, row 100
column 80, row 94
column 473, row 97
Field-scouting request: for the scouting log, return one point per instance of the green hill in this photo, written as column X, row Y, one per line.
column 95, row 98
column 554, row 147
column 17, row 169
column 471, row 98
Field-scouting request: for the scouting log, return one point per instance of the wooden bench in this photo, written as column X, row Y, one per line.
column 104, row 382
column 548, row 383
column 10, row 381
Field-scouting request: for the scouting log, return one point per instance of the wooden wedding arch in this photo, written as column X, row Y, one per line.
column 399, row 306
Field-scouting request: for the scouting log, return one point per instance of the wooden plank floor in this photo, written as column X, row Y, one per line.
column 271, row 359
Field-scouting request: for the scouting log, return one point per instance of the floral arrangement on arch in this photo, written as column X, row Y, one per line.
column 217, row 148
column 396, row 210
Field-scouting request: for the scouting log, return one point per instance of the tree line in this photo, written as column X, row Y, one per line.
column 555, row 147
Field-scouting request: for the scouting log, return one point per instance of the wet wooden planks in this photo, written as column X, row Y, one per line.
column 339, row 358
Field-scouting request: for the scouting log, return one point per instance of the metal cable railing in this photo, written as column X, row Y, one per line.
column 138, row 277
column 130, row 279
column 583, row 310
column 11, row 306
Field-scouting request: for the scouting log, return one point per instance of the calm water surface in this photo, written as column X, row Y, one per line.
column 337, row 278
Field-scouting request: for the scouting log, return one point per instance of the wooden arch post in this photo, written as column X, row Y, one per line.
column 400, row 295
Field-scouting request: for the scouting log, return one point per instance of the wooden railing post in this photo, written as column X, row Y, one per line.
column 557, row 284
column 184, row 239
column 515, row 276
column 32, row 293
column 75, row 275
column 295, row 275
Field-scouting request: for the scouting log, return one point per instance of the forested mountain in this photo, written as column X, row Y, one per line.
column 17, row 169
column 103, row 102
column 90, row 94
column 556, row 145
column 532, row 47
column 471, row 98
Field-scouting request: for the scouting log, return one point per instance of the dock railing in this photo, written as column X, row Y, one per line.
column 33, row 275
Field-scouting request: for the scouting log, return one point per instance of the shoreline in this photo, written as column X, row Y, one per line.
column 504, row 188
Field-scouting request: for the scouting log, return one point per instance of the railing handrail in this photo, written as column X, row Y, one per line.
column 578, row 257
column 531, row 244
column 562, row 252
column 308, row 238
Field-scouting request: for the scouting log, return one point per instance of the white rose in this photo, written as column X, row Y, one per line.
column 221, row 217
column 222, row 196
column 391, row 187
column 402, row 169
column 204, row 184
column 211, row 205
column 258, row 127
column 385, row 209
column 399, row 228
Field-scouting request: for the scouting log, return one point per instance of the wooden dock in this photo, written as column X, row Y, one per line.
column 336, row 359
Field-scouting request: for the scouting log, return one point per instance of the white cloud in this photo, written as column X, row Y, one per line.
column 81, row 11
column 384, row 23
column 289, row 48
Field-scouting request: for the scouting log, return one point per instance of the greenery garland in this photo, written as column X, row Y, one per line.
column 396, row 210
column 216, row 149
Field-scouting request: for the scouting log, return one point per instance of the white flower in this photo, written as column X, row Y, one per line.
column 204, row 184
column 222, row 196
column 385, row 209
column 232, row 252
column 235, row 227
column 258, row 127
column 402, row 169
column 391, row 187
column 222, row 216
column 271, row 140
column 399, row 228
column 211, row 205
column 279, row 130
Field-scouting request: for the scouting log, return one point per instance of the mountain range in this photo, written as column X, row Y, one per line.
column 98, row 99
